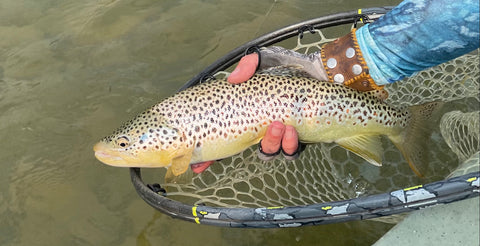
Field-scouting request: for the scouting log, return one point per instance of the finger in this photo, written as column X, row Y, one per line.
column 200, row 167
column 244, row 70
column 290, row 140
column 272, row 140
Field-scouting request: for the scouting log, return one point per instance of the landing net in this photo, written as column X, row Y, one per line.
column 328, row 183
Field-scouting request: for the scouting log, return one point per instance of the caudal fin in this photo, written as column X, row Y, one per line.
column 413, row 142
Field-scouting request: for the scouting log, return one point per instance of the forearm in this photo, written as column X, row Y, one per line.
column 416, row 35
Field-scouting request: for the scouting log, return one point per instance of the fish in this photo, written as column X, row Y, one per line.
column 215, row 119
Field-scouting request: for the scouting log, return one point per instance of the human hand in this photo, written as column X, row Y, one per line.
column 277, row 56
column 244, row 70
column 339, row 62
column 279, row 137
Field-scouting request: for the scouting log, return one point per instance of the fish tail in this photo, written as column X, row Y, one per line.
column 413, row 141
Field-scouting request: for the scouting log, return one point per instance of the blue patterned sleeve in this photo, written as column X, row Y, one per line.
column 418, row 34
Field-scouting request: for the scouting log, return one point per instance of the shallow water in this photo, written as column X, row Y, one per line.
column 72, row 71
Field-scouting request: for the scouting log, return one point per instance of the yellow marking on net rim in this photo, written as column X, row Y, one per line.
column 275, row 207
column 471, row 179
column 413, row 187
column 327, row 207
column 194, row 211
column 359, row 11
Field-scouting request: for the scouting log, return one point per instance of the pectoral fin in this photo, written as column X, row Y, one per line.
column 180, row 165
column 368, row 147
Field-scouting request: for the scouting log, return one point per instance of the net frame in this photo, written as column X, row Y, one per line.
column 368, row 207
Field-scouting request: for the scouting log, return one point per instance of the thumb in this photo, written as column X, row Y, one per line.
column 244, row 70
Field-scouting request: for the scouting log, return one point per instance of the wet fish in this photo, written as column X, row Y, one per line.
column 214, row 120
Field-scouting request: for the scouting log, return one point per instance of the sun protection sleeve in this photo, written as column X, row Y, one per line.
column 418, row 34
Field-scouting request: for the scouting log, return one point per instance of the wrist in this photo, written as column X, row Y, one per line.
column 344, row 64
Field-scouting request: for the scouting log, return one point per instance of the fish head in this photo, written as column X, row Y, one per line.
column 145, row 141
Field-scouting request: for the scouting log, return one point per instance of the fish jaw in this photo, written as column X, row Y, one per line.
column 119, row 158
column 108, row 155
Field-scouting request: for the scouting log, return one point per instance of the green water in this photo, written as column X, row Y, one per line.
column 72, row 71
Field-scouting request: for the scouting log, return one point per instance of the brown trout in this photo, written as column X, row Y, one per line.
column 215, row 120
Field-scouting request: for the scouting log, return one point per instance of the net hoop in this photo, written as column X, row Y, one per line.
column 399, row 201
column 369, row 207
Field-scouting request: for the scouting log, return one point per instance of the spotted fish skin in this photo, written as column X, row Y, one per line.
column 214, row 120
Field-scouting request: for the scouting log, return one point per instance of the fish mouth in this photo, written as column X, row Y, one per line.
column 117, row 158
column 103, row 155
column 107, row 156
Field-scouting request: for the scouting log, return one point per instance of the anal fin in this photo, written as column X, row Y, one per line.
column 369, row 147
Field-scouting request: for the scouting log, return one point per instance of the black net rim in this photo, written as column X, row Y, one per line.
column 369, row 207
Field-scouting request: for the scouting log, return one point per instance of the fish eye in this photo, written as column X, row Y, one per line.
column 122, row 141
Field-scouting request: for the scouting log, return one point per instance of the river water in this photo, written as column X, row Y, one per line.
column 72, row 71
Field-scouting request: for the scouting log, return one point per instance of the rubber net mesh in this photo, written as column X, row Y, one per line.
column 327, row 172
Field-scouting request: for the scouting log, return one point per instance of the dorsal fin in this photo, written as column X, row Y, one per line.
column 294, row 70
